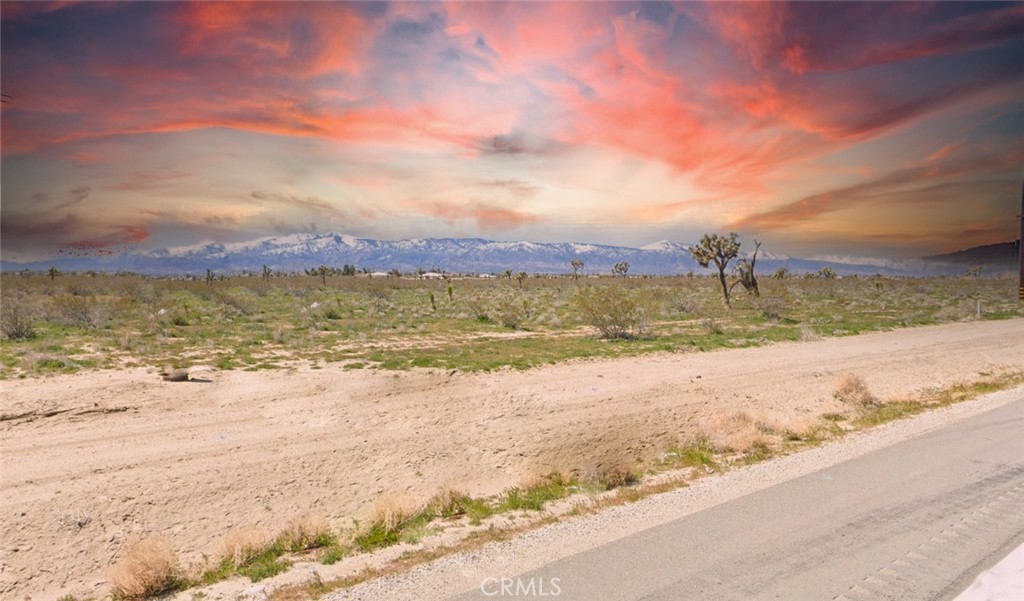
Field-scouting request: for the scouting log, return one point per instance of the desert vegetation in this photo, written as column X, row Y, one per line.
column 54, row 323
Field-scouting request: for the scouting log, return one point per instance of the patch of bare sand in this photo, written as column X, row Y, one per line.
column 192, row 461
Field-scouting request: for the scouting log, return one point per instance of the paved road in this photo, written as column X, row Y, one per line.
column 916, row 521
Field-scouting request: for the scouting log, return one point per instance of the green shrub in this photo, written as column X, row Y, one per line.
column 617, row 313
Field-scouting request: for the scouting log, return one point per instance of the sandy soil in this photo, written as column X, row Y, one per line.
column 94, row 458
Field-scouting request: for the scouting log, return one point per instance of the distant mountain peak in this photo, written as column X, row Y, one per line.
column 666, row 246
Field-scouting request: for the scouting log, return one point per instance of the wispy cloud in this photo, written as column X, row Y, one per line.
column 487, row 217
column 515, row 186
column 911, row 185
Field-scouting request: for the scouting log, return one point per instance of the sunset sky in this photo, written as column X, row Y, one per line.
column 870, row 129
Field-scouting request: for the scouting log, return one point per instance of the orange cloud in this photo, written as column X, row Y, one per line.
column 488, row 217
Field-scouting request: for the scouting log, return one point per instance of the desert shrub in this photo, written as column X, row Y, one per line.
column 50, row 361
column 240, row 300
column 147, row 568
column 16, row 319
column 853, row 390
column 771, row 307
column 84, row 311
column 380, row 302
column 510, row 312
column 477, row 308
column 962, row 311
column 711, row 326
column 617, row 475
column 615, row 311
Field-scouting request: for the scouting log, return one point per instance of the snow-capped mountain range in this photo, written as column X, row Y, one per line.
column 297, row 252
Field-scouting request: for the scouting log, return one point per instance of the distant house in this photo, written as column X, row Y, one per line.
column 432, row 275
column 380, row 274
column 486, row 276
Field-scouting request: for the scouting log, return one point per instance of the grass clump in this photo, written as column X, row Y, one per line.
column 760, row 450
column 393, row 522
column 147, row 568
column 879, row 414
column 333, row 555
column 532, row 497
column 249, row 553
column 697, row 453
column 306, row 532
column 451, row 503
column 265, row 565
column 256, row 555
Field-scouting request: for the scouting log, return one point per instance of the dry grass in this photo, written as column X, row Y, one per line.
column 852, row 390
column 807, row 333
column 147, row 568
column 305, row 532
column 612, row 469
column 241, row 547
column 393, row 511
column 738, row 431
column 448, row 502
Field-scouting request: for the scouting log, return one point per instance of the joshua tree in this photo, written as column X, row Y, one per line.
column 718, row 250
column 746, row 269
column 620, row 268
column 53, row 273
column 209, row 277
column 322, row 271
column 520, row 277
column 827, row 273
column 508, row 273
column 577, row 265
column 781, row 273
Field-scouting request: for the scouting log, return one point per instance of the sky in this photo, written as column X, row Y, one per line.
column 865, row 128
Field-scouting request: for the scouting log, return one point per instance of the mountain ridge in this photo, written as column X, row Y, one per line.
column 297, row 252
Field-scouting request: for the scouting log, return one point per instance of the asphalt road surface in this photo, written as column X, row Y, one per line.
column 917, row 520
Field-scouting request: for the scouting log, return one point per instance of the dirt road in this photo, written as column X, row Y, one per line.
column 92, row 458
